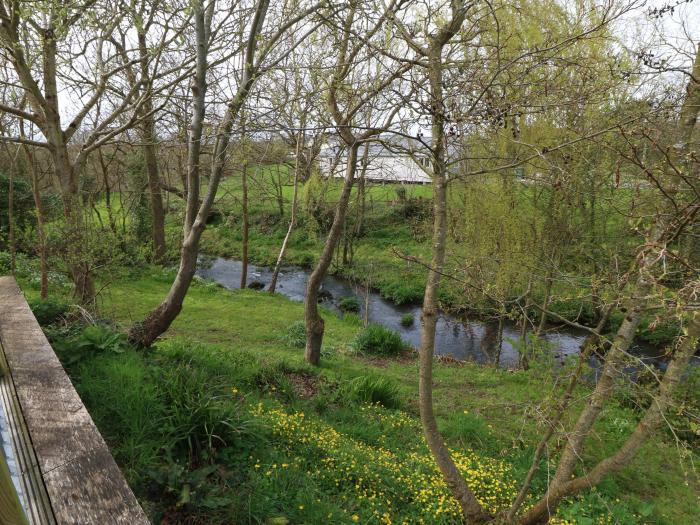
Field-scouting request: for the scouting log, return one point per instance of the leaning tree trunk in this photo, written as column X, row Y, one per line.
column 558, row 412
column 293, row 218
column 314, row 322
column 145, row 333
column 159, row 320
column 653, row 417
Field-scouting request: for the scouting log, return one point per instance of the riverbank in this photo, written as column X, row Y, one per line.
column 457, row 336
column 228, row 358
column 396, row 228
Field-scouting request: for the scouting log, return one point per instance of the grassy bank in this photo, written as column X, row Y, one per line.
column 224, row 423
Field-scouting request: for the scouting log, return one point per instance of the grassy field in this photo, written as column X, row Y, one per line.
column 223, row 422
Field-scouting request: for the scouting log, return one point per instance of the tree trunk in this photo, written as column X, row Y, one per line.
column 108, row 191
column 244, row 241
column 471, row 508
column 293, row 218
column 562, row 484
column 159, row 320
column 557, row 414
column 76, row 241
column 652, row 418
column 314, row 322
column 545, row 303
column 41, row 231
column 154, row 192
column 145, row 333
column 574, row 449
column 11, row 218
column 148, row 135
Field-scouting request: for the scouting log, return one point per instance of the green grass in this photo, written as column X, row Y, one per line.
column 223, row 422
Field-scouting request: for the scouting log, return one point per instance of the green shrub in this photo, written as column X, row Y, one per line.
column 404, row 292
column 375, row 339
column 349, row 304
column 352, row 319
column 91, row 340
column 372, row 389
column 200, row 417
column 407, row 320
column 296, row 335
column 47, row 311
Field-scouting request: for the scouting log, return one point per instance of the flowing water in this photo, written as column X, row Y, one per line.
column 461, row 338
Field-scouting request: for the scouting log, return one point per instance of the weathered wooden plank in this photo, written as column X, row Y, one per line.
column 34, row 496
column 83, row 482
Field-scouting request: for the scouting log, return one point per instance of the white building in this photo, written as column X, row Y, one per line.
column 389, row 160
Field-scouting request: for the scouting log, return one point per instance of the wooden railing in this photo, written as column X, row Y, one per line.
column 67, row 473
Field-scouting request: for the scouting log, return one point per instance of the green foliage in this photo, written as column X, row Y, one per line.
column 48, row 311
column 588, row 508
column 171, row 426
column 372, row 389
column 91, row 340
column 349, row 304
column 296, row 335
column 407, row 320
column 471, row 429
column 140, row 212
column 23, row 204
column 375, row 339
column 353, row 319
column 403, row 291
column 290, row 451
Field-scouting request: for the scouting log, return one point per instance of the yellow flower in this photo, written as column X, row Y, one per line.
column 301, row 507
column 355, row 517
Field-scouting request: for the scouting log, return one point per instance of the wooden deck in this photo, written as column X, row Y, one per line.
column 73, row 468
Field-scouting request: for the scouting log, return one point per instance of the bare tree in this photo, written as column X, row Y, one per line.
column 41, row 45
column 345, row 109
column 257, row 57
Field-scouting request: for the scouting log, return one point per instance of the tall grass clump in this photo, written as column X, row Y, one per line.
column 349, row 304
column 375, row 339
column 296, row 335
column 372, row 389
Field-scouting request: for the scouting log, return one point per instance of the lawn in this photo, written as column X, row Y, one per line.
column 223, row 422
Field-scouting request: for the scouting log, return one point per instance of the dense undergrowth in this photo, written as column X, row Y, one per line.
column 222, row 422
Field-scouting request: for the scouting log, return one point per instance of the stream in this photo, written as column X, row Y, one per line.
column 459, row 337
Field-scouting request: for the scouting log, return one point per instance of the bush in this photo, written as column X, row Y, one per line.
column 407, row 320
column 349, row 304
column 405, row 292
column 296, row 335
column 47, row 311
column 376, row 339
column 372, row 389
column 92, row 340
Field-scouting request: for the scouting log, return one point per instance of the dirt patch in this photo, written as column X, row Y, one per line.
column 384, row 362
column 305, row 385
column 447, row 359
